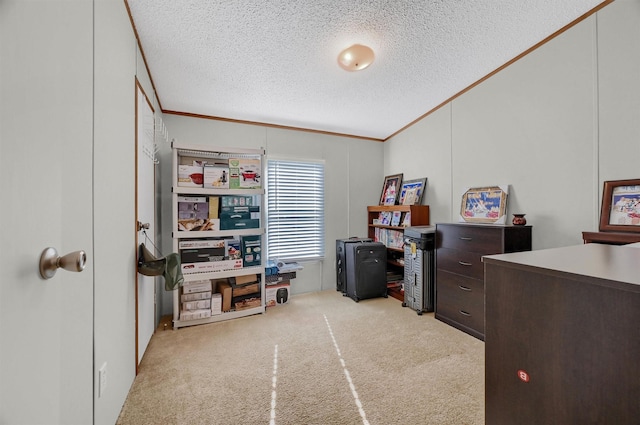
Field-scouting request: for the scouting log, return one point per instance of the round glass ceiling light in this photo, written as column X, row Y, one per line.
column 355, row 58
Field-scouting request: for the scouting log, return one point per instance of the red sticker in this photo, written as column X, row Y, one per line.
column 523, row 375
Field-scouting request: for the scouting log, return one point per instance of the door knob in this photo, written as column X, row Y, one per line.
column 50, row 262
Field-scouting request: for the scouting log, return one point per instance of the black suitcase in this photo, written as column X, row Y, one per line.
column 341, row 265
column 366, row 268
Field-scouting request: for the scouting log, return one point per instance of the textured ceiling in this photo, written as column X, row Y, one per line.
column 275, row 61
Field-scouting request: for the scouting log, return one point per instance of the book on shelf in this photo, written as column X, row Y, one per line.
column 390, row 237
column 395, row 218
column 406, row 220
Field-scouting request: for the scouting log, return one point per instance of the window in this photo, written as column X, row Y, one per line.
column 295, row 209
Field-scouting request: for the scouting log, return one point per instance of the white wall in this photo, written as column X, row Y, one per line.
column 554, row 126
column 353, row 179
column 116, row 68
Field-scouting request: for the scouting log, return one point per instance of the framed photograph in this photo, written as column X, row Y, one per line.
column 484, row 205
column 412, row 191
column 391, row 189
column 620, row 210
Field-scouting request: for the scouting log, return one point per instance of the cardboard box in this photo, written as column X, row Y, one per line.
column 240, row 209
column 195, row 296
column 201, row 243
column 248, row 303
column 196, row 305
column 196, row 286
column 248, row 278
column 216, row 304
column 251, row 246
column 237, row 224
column 225, row 290
column 214, row 207
column 247, row 289
column 216, row 176
column 198, row 255
column 195, row 314
column 244, row 173
column 232, row 249
column 236, row 201
column 227, row 265
column 190, row 175
column 191, row 268
column 198, row 224
column 193, row 207
column 277, row 294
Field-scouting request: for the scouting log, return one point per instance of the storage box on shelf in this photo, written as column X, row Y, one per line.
column 218, row 231
column 386, row 224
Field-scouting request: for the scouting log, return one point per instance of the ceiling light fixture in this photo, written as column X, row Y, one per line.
column 355, row 58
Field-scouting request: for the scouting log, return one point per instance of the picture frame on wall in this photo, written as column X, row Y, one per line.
column 486, row 204
column 620, row 210
column 412, row 191
column 391, row 189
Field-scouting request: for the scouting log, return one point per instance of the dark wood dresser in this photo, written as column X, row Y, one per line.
column 562, row 334
column 460, row 272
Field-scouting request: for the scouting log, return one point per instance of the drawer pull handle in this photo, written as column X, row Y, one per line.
column 464, row 288
column 464, row 313
column 464, row 263
column 465, row 238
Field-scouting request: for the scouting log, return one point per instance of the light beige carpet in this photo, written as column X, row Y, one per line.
column 319, row 359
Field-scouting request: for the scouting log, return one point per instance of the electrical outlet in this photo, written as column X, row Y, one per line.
column 102, row 380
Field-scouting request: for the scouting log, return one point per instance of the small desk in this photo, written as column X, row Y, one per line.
column 610, row 238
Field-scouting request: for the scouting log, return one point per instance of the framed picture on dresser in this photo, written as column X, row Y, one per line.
column 484, row 205
column 620, row 211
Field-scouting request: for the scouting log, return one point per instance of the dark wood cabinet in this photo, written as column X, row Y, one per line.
column 460, row 271
column 562, row 336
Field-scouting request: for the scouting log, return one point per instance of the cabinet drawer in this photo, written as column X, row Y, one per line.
column 460, row 262
column 465, row 292
column 461, row 318
column 457, row 306
column 484, row 240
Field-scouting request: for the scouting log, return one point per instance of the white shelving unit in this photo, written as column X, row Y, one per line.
column 204, row 153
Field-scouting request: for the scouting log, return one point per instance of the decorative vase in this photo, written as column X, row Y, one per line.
column 519, row 220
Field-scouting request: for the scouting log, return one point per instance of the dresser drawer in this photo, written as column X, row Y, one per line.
column 471, row 322
column 461, row 262
column 481, row 239
column 466, row 293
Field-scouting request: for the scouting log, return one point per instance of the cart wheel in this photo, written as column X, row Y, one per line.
column 404, row 304
column 386, row 295
column 419, row 312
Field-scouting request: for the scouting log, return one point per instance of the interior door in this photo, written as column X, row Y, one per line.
column 145, row 207
column 46, row 145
